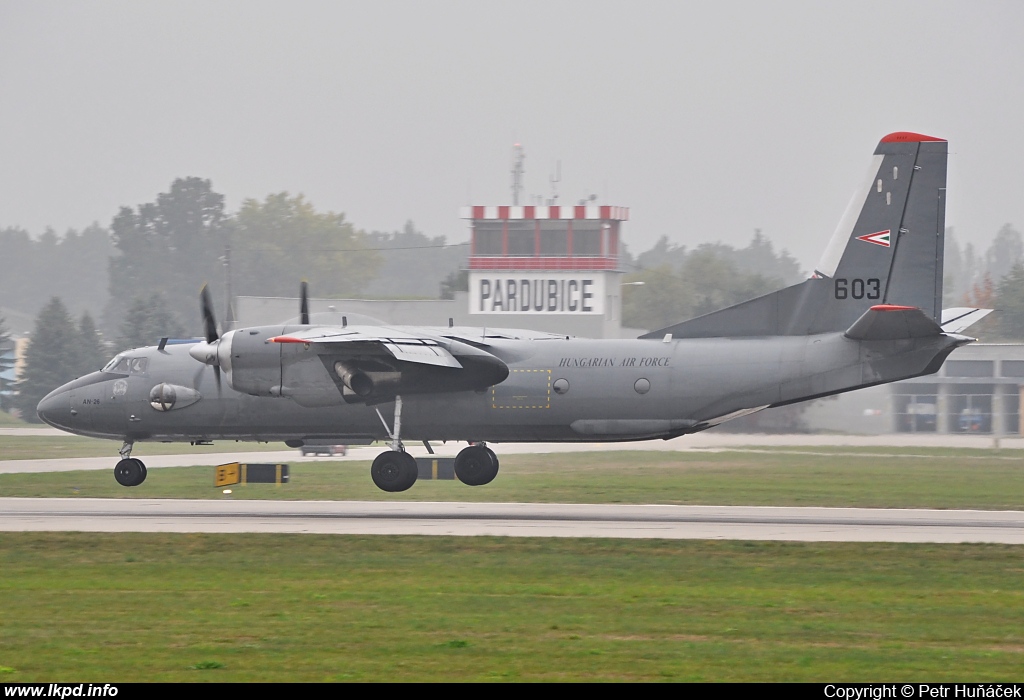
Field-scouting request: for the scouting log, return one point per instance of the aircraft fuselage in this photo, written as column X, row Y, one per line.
column 559, row 390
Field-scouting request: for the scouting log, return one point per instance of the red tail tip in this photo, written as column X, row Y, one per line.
column 908, row 137
column 892, row 307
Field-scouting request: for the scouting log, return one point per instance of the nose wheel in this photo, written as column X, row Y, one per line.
column 129, row 471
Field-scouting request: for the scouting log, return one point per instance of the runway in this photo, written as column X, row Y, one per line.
column 512, row 519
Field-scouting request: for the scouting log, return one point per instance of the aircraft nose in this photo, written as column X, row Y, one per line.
column 55, row 408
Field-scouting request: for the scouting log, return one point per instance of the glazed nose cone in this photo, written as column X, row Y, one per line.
column 55, row 408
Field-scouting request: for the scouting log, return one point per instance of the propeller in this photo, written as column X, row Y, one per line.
column 303, row 303
column 209, row 322
column 210, row 331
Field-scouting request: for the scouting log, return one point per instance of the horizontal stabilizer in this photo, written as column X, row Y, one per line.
column 891, row 322
column 959, row 319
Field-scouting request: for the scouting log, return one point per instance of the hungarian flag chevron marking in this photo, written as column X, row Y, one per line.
column 880, row 238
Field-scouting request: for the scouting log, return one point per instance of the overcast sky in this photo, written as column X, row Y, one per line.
column 707, row 120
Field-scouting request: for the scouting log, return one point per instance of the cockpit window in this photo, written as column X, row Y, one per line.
column 119, row 365
column 127, row 365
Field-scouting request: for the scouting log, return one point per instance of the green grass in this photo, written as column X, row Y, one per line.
column 58, row 446
column 154, row 607
column 985, row 480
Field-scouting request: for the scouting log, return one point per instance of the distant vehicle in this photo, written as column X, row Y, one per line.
column 922, row 416
column 971, row 420
column 329, row 450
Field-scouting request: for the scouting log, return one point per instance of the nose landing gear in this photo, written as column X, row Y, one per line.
column 129, row 472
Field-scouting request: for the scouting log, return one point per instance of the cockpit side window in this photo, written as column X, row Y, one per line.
column 137, row 365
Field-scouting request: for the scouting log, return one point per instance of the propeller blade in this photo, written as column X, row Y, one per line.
column 304, row 303
column 209, row 322
column 216, row 375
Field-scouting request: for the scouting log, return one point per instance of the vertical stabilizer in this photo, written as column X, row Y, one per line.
column 897, row 235
column 887, row 249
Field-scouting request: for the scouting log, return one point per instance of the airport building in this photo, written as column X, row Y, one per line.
column 978, row 390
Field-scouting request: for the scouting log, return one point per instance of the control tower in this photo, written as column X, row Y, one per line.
column 547, row 267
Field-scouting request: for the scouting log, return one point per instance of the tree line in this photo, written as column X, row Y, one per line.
column 679, row 283
column 158, row 254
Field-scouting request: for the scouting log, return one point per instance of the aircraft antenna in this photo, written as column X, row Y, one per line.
column 555, row 179
column 518, row 156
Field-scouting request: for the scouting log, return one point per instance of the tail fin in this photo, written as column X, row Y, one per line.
column 887, row 249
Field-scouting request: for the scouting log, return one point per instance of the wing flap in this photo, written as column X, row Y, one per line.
column 423, row 352
column 400, row 345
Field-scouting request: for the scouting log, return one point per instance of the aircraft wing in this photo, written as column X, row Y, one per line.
column 399, row 344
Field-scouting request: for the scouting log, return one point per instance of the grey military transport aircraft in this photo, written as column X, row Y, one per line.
column 871, row 313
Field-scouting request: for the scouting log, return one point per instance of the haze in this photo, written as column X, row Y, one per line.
column 708, row 121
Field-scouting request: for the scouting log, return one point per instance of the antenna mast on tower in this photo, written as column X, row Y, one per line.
column 518, row 156
column 555, row 179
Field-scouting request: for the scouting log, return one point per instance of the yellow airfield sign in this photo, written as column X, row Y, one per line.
column 236, row 473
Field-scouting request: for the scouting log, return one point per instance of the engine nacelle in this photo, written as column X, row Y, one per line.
column 253, row 365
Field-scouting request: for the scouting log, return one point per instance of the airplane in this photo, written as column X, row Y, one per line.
column 871, row 313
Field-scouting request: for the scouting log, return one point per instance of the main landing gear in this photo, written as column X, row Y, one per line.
column 396, row 470
column 476, row 465
column 129, row 471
